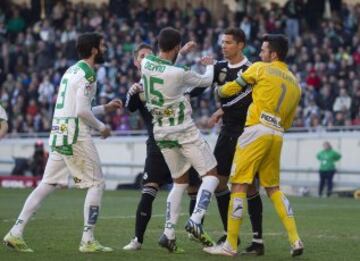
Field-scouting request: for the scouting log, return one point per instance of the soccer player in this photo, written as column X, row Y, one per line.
column 156, row 171
column 233, row 113
column 72, row 148
column 276, row 94
column 3, row 122
column 176, row 134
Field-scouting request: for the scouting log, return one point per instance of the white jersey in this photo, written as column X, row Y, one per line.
column 164, row 86
column 67, row 128
column 3, row 116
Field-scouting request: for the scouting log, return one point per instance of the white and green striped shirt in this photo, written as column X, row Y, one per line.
column 67, row 128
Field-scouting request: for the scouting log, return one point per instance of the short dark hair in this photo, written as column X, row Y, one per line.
column 141, row 46
column 85, row 42
column 168, row 39
column 237, row 33
column 277, row 43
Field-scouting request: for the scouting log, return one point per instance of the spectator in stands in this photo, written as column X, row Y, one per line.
column 327, row 158
column 39, row 159
column 34, row 53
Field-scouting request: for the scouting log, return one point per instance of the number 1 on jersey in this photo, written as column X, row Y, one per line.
column 281, row 98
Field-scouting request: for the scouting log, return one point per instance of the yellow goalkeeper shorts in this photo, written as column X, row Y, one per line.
column 258, row 151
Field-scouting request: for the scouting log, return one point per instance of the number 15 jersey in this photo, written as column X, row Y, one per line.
column 164, row 86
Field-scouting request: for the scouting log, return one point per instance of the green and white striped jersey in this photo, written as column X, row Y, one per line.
column 3, row 116
column 67, row 128
column 164, row 86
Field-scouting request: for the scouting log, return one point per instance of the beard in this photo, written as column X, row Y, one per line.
column 99, row 58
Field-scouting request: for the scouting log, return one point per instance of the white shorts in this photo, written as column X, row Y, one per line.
column 193, row 150
column 84, row 166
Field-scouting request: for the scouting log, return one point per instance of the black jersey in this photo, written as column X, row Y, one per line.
column 235, row 107
column 133, row 103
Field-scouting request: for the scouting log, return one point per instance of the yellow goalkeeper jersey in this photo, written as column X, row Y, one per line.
column 275, row 91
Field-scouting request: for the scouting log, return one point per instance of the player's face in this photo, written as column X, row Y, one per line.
column 142, row 53
column 231, row 48
column 99, row 57
column 265, row 53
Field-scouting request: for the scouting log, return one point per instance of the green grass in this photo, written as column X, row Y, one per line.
column 329, row 228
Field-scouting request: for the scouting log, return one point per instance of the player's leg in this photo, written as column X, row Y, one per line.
column 85, row 167
column 178, row 166
column 204, row 162
column 194, row 184
column 251, row 148
column 55, row 173
column 255, row 213
column 224, row 153
column 156, row 173
column 330, row 177
column 270, row 179
column 322, row 175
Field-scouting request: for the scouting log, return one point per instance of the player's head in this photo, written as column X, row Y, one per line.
column 233, row 42
column 327, row 145
column 91, row 45
column 169, row 41
column 274, row 47
column 140, row 52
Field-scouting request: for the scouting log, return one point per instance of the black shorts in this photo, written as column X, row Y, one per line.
column 156, row 169
column 224, row 153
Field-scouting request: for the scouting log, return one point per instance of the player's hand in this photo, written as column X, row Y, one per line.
column 189, row 46
column 207, row 60
column 135, row 88
column 106, row 132
column 113, row 105
column 215, row 118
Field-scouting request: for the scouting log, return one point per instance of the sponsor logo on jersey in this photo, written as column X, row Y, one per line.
column 270, row 120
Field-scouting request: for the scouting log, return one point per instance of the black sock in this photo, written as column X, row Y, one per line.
column 192, row 202
column 255, row 212
column 223, row 200
column 143, row 212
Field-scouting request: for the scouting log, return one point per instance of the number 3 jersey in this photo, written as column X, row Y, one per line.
column 164, row 86
column 78, row 83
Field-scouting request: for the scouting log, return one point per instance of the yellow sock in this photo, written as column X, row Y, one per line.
column 285, row 212
column 235, row 217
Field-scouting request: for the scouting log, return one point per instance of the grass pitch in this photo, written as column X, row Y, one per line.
column 330, row 228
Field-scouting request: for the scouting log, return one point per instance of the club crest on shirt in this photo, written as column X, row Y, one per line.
column 222, row 76
column 88, row 89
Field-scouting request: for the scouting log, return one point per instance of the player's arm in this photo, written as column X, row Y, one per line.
column 244, row 81
column 83, row 109
column 133, row 101
column 191, row 78
column 3, row 128
column 215, row 117
column 107, row 108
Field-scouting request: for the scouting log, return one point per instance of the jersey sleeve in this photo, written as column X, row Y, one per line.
column 133, row 102
column 83, row 106
column 251, row 75
column 193, row 79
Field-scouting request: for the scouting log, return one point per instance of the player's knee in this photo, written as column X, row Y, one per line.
column 252, row 191
column 150, row 190
column 192, row 190
column 271, row 190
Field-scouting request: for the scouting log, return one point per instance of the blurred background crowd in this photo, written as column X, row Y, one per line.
column 37, row 47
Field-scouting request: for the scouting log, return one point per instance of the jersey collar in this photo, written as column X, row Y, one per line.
column 237, row 65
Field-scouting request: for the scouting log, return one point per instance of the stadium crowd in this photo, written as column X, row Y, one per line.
column 324, row 54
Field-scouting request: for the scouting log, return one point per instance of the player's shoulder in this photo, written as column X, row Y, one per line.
column 258, row 66
column 82, row 69
column 221, row 64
